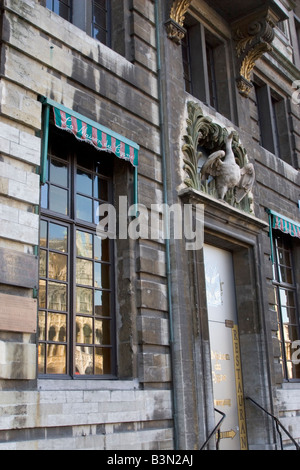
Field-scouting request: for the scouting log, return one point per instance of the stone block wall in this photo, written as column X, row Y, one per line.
column 42, row 54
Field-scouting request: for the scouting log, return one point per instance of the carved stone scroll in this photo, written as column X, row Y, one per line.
column 253, row 36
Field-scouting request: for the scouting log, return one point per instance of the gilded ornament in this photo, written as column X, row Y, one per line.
column 174, row 25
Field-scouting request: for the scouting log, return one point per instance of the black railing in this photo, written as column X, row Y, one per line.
column 216, row 430
column 278, row 425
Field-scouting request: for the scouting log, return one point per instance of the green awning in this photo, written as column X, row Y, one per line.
column 284, row 224
column 99, row 136
column 93, row 133
column 89, row 131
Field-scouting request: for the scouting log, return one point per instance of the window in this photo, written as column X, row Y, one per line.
column 204, row 57
column 60, row 7
column 272, row 122
column 76, row 312
column 92, row 16
column 286, row 307
column 100, row 21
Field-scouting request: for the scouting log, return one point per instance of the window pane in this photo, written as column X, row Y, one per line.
column 58, row 200
column 285, row 275
column 84, row 360
column 99, row 34
column 84, row 244
column 59, row 173
column 84, row 183
column 43, row 263
column 43, row 233
column 84, row 330
column 58, row 238
column 100, row 188
column 42, row 294
column 288, row 320
column 58, row 266
column 61, row 8
column 99, row 16
column 84, row 272
column 57, row 327
column 57, row 296
column 102, row 303
column 44, row 196
column 101, row 249
column 102, row 332
column 42, row 326
column 41, row 358
column 100, row 3
column 84, row 208
column 103, row 361
column 56, row 359
column 84, row 300
column 102, row 276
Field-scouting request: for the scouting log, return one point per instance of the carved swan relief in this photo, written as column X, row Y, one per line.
column 215, row 161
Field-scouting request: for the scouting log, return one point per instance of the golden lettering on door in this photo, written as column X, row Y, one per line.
column 239, row 388
column 218, row 356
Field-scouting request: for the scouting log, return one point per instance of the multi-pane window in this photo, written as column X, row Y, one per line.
column 205, row 67
column 273, row 122
column 186, row 62
column 286, row 308
column 76, row 315
column 60, row 7
column 100, row 21
column 92, row 16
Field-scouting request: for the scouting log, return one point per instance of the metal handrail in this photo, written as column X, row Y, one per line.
column 215, row 430
column 278, row 425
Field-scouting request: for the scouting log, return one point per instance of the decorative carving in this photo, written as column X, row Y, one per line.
column 174, row 25
column 205, row 142
column 227, row 173
column 253, row 37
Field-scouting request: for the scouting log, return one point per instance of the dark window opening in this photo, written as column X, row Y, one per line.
column 273, row 122
column 92, row 16
column 205, row 67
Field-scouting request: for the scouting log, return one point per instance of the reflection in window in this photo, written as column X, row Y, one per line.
column 286, row 308
column 60, row 7
column 75, row 266
column 92, row 16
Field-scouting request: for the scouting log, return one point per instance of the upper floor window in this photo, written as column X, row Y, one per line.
column 60, row 7
column 205, row 66
column 273, row 123
column 92, row 16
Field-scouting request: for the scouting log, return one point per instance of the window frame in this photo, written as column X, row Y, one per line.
column 290, row 287
column 75, row 224
column 272, row 109
column 202, row 70
column 83, row 17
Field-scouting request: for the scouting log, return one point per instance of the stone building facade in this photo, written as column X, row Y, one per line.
column 132, row 340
